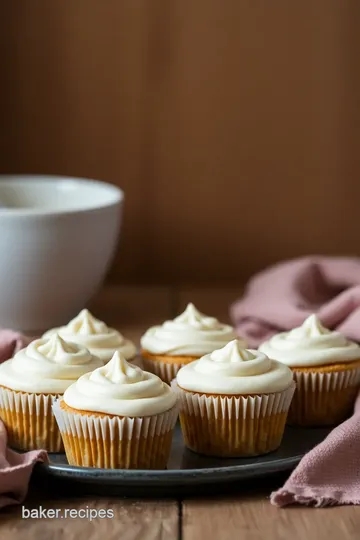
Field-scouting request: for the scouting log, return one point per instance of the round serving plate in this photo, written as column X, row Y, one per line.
column 187, row 469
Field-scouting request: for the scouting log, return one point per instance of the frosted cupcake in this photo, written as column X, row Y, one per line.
column 234, row 402
column 31, row 381
column 176, row 343
column 119, row 417
column 326, row 368
column 96, row 336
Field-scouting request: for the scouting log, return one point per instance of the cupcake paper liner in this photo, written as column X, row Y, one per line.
column 234, row 426
column 29, row 420
column 165, row 370
column 323, row 398
column 93, row 440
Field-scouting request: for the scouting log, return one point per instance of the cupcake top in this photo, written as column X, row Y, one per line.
column 311, row 344
column 47, row 365
column 96, row 336
column 233, row 370
column 192, row 333
column 120, row 389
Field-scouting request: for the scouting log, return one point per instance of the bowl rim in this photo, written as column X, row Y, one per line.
column 116, row 199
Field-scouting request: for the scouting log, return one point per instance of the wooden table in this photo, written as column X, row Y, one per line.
column 245, row 513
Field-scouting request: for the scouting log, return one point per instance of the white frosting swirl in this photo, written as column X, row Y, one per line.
column 96, row 336
column 47, row 365
column 311, row 345
column 121, row 389
column 236, row 371
column 191, row 333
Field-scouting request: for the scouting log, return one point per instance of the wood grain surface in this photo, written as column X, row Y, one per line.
column 254, row 518
column 132, row 520
column 233, row 127
column 240, row 511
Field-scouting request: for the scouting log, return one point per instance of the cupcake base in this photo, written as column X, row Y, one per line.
column 142, row 453
column 99, row 440
column 233, row 426
column 324, row 395
column 165, row 366
column 29, row 420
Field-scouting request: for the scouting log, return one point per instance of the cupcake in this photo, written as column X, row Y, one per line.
column 326, row 368
column 234, row 402
column 117, row 417
column 31, row 381
column 176, row 343
column 96, row 336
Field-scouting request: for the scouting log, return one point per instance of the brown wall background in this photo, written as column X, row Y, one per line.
column 232, row 126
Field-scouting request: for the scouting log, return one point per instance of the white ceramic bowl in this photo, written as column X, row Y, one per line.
column 57, row 239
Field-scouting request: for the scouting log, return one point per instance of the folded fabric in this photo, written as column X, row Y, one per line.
column 15, row 469
column 330, row 473
column 283, row 296
column 11, row 342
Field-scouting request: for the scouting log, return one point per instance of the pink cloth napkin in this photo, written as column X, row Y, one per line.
column 279, row 299
column 282, row 296
column 15, row 469
column 10, row 343
column 330, row 473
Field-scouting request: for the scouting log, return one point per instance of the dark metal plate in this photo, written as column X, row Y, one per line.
column 186, row 468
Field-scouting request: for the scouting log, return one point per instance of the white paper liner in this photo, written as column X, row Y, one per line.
column 166, row 371
column 89, row 426
column 328, row 381
column 29, row 419
column 21, row 401
column 245, row 406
